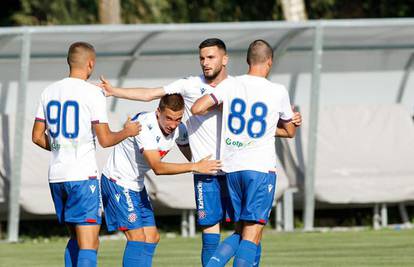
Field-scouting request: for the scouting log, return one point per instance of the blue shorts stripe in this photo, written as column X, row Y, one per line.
column 212, row 199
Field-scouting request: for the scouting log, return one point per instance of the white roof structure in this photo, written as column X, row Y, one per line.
column 363, row 61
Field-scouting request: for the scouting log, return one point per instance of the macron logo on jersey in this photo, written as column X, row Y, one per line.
column 117, row 197
column 158, row 138
column 149, row 127
column 202, row 90
column 92, row 187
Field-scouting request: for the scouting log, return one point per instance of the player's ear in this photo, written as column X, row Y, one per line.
column 91, row 64
column 157, row 112
column 270, row 63
column 225, row 59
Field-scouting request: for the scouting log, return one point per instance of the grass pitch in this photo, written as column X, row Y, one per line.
column 363, row 248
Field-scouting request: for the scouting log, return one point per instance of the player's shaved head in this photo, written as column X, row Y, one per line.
column 213, row 42
column 79, row 54
column 259, row 52
column 175, row 102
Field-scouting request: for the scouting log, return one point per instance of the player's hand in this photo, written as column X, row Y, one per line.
column 297, row 118
column 132, row 128
column 206, row 166
column 106, row 86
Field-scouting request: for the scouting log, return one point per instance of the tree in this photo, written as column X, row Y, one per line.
column 39, row 12
column 294, row 10
column 109, row 12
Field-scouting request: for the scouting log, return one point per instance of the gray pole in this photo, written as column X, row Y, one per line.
column 14, row 204
column 309, row 208
column 404, row 80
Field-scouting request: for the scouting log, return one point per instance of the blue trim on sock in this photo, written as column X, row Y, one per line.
column 87, row 258
column 210, row 244
column 133, row 254
column 245, row 255
column 225, row 251
column 148, row 253
column 71, row 253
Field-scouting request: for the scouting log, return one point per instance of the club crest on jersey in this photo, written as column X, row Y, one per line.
column 149, row 126
column 117, row 197
column 132, row 217
column 202, row 90
column 158, row 138
column 270, row 187
column 92, row 187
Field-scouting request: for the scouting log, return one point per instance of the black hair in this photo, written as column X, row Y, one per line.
column 213, row 42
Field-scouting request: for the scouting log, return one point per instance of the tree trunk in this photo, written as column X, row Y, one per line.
column 294, row 10
column 109, row 11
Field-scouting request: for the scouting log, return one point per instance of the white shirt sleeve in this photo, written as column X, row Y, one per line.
column 176, row 87
column 146, row 140
column 222, row 90
column 286, row 112
column 40, row 114
column 98, row 108
column 182, row 139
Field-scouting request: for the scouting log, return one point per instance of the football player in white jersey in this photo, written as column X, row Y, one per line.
column 70, row 114
column 210, row 190
column 253, row 109
column 212, row 202
column 126, row 202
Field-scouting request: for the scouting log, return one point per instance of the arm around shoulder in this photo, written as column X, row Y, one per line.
column 203, row 104
column 107, row 138
column 138, row 93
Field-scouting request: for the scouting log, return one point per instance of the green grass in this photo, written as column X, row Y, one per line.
column 363, row 248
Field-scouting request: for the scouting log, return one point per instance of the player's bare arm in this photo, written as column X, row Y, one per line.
column 138, row 93
column 204, row 166
column 203, row 105
column 108, row 138
column 296, row 121
column 286, row 129
column 39, row 136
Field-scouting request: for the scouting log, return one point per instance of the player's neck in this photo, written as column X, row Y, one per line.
column 259, row 71
column 218, row 79
column 78, row 74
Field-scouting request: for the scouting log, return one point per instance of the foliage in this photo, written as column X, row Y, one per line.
column 336, row 9
column 40, row 12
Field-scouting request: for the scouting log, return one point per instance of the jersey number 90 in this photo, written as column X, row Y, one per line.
column 258, row 114
column 58, row 119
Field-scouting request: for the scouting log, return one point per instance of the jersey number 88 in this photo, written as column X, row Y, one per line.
column 258, row 114
column 54, row 119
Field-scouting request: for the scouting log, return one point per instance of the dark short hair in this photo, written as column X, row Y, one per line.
column 79, row 47
column 175, row 102
column 259, row 51
column 213, row 42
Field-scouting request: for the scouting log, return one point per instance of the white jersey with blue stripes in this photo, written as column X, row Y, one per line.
column 204, row 131
column 252, row 107
column 69, row 107
column 126, row 164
